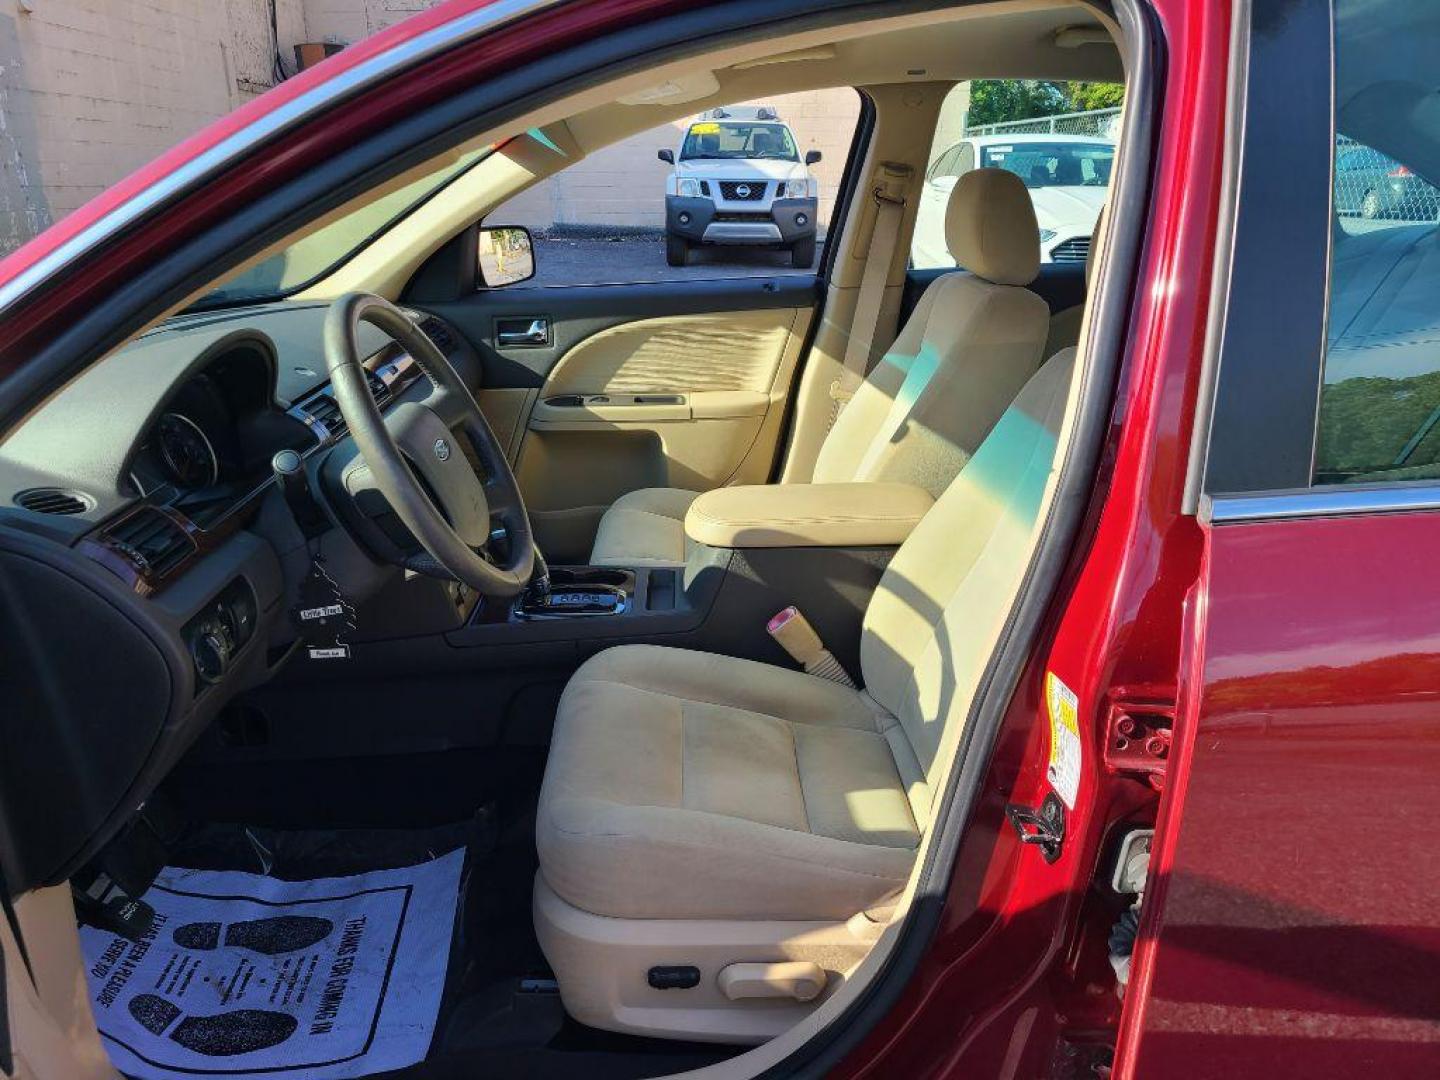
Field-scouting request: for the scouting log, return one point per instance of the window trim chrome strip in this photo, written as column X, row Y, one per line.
column 1338, row 501
column 284, row 118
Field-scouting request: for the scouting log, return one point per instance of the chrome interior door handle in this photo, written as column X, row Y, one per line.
column 537, row 333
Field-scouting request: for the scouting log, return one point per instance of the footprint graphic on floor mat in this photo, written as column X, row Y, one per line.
column 281, row 934
column 241, row 1031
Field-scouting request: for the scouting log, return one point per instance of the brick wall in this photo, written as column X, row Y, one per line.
column 90, row 90
column 350, row 20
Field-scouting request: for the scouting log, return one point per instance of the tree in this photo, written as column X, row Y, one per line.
column 994, row 101
column 1085, row 96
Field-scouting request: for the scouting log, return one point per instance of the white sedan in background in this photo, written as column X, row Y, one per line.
column 1068, row 177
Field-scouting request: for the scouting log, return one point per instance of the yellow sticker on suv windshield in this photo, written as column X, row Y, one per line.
column 704, row 129
column 1063, row 769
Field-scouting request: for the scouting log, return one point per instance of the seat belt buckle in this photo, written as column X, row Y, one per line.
column 793, row 633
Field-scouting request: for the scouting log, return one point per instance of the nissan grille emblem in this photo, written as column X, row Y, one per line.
column 743, row 191
column 442, row 449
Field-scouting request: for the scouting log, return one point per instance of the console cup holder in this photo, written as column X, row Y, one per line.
column 569, row 576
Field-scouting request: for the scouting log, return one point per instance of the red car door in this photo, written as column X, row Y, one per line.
column 1290, row 925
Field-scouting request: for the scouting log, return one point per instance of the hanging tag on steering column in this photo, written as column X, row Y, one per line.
column 322, row 615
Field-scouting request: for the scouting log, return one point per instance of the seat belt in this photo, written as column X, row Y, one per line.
column 891, row 181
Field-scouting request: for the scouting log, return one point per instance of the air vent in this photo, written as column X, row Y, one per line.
column 54, row 501
column 154, row 541
column 322, row 408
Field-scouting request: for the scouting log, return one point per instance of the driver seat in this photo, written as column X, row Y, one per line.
column 704, row 819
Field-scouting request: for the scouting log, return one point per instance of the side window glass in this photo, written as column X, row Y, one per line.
column 947, row 164
column 1379, row 417
column 743, row 190
column 1058, row 137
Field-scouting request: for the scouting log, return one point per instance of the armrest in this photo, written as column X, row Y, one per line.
column 807, row 515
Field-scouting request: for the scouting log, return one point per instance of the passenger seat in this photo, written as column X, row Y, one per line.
column 1065, row 325
column 970, row 345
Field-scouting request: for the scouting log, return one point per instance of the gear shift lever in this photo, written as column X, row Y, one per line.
column 573, row 599
column 537, row 591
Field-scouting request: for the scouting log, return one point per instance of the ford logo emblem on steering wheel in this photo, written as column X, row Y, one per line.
column 442, row 449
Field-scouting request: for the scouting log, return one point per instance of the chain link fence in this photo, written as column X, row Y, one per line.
column 1371, row 187
column 1104, row 123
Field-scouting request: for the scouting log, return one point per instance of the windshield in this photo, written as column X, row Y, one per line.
column 738, row 140
column 313, row 256
column 1054, row 164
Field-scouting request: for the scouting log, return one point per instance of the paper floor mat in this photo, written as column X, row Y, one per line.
column 249, row 975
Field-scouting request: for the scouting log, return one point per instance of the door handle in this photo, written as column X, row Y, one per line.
column 535, row 331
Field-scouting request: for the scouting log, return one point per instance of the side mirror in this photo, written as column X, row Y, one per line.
column 667, row 156
column 812, row 156
column 507, row 255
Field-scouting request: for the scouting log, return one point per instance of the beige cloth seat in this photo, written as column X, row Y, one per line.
column 729, row 788
column 972, row 341
column 689, row 796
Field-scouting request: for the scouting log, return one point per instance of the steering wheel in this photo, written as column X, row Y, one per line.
column 416, row 463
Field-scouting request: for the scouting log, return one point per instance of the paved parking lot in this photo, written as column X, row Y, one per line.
column 599, row 262
column 589, row 261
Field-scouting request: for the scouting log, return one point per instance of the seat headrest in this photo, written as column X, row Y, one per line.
column 990, row 227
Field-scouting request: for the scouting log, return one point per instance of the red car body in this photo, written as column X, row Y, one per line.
column 1289, row 926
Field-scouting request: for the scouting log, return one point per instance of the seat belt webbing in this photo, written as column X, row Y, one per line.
column 891, row 181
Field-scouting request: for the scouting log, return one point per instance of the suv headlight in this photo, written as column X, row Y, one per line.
column 1046, row 235
column 796, row 189
column 688, row 187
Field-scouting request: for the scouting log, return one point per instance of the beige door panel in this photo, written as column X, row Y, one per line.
column 627, row 409
column 688, row 401
column 740, row 350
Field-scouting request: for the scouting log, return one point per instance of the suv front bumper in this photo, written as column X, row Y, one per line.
column 699, row 220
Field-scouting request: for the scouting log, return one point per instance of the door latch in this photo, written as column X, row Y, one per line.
column 522, row 331
column 1045, row 827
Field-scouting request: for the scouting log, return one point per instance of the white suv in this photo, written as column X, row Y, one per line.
column 738, row 179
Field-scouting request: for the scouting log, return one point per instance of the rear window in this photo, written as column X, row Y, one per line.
column 1380, row 397
column 1053, row 164
column 728, row 139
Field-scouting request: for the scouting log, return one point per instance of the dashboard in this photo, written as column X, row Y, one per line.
column 154, row 557
column 212, row 443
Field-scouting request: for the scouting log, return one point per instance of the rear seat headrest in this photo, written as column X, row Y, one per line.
column 990, row 227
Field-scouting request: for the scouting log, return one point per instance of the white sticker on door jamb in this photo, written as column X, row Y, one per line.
column 325, row 979
column 1063, row 769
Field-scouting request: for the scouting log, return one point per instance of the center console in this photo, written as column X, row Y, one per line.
column 753, row 551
